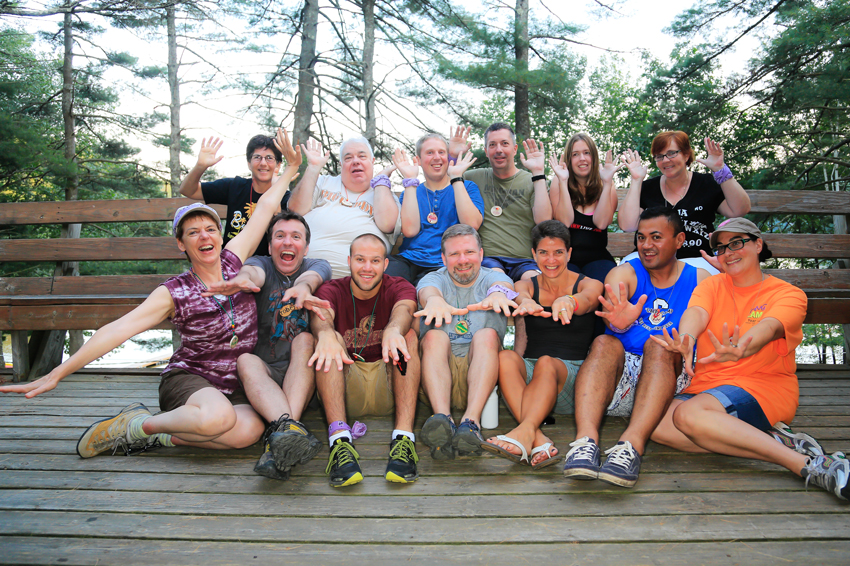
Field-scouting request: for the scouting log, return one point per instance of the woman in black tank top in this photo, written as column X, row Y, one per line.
column 554, row 325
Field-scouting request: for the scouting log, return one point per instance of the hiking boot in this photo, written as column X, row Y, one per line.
column 622, row 466
column 111, row 433
column 266, row 466
column 797, row 441
column 437, row 434
column 583, row 460
column 343, row 465
column 401, row 467
column 467, row 439
column 292, row 443
column 829, row 472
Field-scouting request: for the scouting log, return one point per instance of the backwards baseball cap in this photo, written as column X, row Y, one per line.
column 741, row 225
column 181, row 213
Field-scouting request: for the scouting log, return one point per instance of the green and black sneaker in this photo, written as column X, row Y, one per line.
column 343, row 465
column 401, row 467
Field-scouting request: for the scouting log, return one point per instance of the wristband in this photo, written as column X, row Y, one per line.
column 691, row 336
column 538, row 178
column 452, row 159
column 456, row 179
column 411, row 182
column 381, row 180
column 621, row 330
column 723, row 175
column 511, row 295
column 575, row 302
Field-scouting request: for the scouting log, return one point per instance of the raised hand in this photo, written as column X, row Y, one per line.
column 290, row 154
column 534, row 158
column 496, row 302
column 208, row 154
column 609, row 168
column 563, row 309
column 313, row 152
column 728, row 348
column 438, row 311
column 637, row 169
column 459, row 141
column 678, row 344
column 714, row 160
column 402, row 163
column 231, row 287
column 459, row 167
column 619, row 312
column 559, row 166
column 530, row 307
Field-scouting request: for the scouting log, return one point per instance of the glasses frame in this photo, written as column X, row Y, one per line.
column 733, row 245
column 256, row 158
column 669, row 155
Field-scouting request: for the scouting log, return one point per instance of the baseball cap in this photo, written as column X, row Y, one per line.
column 741, row 225
column 184, row 210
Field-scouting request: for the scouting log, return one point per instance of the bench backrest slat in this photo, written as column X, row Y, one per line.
column 94, row 211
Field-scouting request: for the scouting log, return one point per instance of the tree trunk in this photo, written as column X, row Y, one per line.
column 174, row 107
column 523, row 125
column 368, row 70
column 306, row 73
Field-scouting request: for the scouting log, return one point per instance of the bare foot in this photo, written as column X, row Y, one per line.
column 521, row 434
column 539, row 440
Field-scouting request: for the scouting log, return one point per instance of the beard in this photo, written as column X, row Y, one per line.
column 464, row 279
column 363, row 286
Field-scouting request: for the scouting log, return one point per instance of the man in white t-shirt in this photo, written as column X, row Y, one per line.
column 338, row 209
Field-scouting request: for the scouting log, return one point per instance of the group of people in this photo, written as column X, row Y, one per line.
column 687, row 336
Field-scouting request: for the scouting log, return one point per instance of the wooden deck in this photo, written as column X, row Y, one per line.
column 181, row 506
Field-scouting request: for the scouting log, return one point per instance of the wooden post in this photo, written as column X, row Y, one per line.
column 20, row 356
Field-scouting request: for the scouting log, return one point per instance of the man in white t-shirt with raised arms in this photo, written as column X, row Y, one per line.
column 338, row 209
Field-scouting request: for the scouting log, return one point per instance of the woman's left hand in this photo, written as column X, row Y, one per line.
column 714, row 161
column 610, row 167
column 728, row 349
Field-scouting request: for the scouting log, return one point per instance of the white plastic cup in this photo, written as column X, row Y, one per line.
column 490, row 414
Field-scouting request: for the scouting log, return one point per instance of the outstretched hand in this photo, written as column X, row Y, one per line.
column 438, row 311
column 329, row 350
column 304, row 299
column 713, row 261
column 33, row 388
column 530, row 307
column 534, row 157
column 230, row 287
column 619, row 312
column 208, row 154
column 678, row 344
column 496, row 302
column 728, row 348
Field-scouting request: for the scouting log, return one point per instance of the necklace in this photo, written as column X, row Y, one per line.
column 656, row 315
column 496, row 209
column 432, row 216
column 687, row 187
column 734, row 302
column 358, row 355
column 232, row 317
column 346, row 202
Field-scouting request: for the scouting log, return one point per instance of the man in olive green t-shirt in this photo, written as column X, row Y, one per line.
column 514, row 201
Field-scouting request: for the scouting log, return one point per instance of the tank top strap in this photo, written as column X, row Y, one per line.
column 578, row 280
column 535, row 296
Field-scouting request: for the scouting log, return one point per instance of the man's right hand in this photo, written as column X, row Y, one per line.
column 459, row 141
column 619, row 312
column 437, row 311
column 313, row 152
column 329, row 350
column 208, row 155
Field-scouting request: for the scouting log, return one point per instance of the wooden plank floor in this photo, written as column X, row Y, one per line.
column 187, row 506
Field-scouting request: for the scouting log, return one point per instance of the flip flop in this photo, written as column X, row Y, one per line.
column 548, row 461
column 499, row 451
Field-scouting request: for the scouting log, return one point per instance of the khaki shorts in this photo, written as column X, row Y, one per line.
column 368, row 389
column 176, row 388
column 459, row 366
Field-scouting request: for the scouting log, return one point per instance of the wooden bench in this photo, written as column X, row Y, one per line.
column 89, row 302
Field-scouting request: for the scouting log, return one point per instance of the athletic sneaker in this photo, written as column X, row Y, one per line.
column 111, row 433
column 401, row 467
column 583, row 460
column 622, row 467
column 266, row 466
column 797, row 441
column 292, row 443
column 437, row 434
column 467, row 439
column 829, row 472
column 343, row 464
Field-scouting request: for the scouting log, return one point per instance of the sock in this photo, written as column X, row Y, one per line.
column 409, row 435
column 339, row 429
column 341, row 434
column 164, row 439
column 134, row 428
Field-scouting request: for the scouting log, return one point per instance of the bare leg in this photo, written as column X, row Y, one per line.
column 436, row 372
column 300, row 380
column 331, row 386
column 483, row 371
column 512, row 380
column 595, row 384
column 705, row 422
column 406, row 387
column 655, row 390
column 667, row 434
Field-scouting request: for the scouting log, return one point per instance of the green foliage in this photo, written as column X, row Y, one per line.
column 825, row 337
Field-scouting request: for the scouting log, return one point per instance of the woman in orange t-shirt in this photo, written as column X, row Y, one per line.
column 745, row 383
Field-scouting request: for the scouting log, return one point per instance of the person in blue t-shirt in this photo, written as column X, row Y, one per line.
column 428, row 208
column 626, row 373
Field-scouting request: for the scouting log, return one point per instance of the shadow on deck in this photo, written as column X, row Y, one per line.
column 188, row 506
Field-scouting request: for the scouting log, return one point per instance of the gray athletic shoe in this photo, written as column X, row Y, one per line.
column 797, row 441
column 829, row 472
column 437, row 434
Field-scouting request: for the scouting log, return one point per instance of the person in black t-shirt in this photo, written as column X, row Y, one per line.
column 238, row 193
column 697, row 197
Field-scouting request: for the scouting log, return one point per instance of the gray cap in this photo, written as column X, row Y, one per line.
column 741, row 225
column 183, row 210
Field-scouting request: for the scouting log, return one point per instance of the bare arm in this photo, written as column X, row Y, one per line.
column 154, row 310
column 301, row 199
column 534, row 159
column 559, row 194
column 520, row 336
column 250, row 278
column 392, row 341
column 630, row 209
column 385, row 209
column 330, row 346
column 191, row 185
column 737, row 201
column 410, row 220
column 603, row 215
column 466, row 211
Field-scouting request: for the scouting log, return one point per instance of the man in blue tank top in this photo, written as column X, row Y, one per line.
column 626, row 373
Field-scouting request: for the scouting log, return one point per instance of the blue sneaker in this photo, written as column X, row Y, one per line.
column 467, row 439
column 829, row 472
column 437, row 434
column 622, row 467
column 582, row 461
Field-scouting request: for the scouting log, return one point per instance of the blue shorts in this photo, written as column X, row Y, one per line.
column 738, row 403
column 514, row 268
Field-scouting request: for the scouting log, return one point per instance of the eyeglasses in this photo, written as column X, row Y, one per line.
column 734, row 246
column 256, row 158
column 669, row 155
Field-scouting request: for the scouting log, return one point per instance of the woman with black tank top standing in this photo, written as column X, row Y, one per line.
column 554, row 327
column 583, row 197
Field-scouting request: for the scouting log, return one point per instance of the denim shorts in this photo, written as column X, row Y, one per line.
column 738, row 403
column 514, row 268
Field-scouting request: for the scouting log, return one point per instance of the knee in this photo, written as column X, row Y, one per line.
column 244, row 364
column 412, row 341
column 653, row 350
column 546, row 367
column 249, row 433
column 486, row 338
column 434, row 341
column 216, row 420
column 686, row 418
column 303, row 341
column 605, row 344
